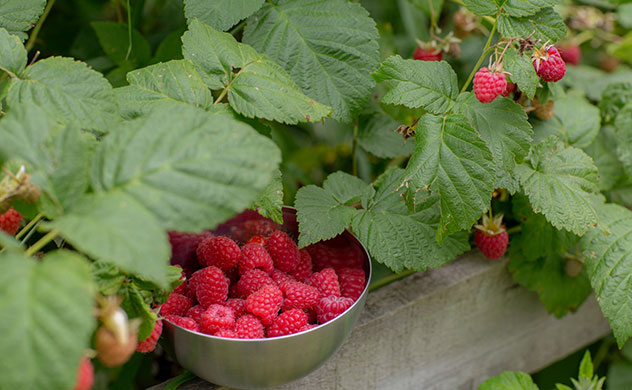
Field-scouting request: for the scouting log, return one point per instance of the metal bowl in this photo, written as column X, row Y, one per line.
column 265, row 363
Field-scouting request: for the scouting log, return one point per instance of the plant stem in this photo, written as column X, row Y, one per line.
column 31, row 42
column 482, row 57
column 221, row 95
column 129, row 29
column 28, row 227
column 50, row 236
column 390, row 279
column 515, row 229
column 602, row 352
column 238, row 27
column 354, row 147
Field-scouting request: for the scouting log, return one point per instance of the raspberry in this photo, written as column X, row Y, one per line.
column 226, row 333
column 331, row 307
column 184, row 322
column 326, row 281
column 491, row 238
column 10, row 221
column 304, row 268
column 311, row 315
column 488, row 85
column 221, row 252
column 265, row 304
column 249, row 327
column 183, row 247
column 255, row 256
column 288, row 322
column 195, row 313
column 176, row 304
column 233, row 275
column 299, row 296
column 256, row 240
column 336, row 255
column 85, row 375
column 427, row 54
column 281, row 277
column 308, row 327
column 250, row 282
column 543, row 111
column 548, row 64
column 149, row 344
column 511, row 87
column 211, row 286
column 182, row 287
column 217, row 317
column 570, row 53
column 352, row 282
column 254, row 227
column 283, row 251
column 112, row 351
column 238, row 306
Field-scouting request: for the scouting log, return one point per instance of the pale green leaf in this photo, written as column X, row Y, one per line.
column 482, row 7
column 329, row 47
column 509, row 380
column 526, row 7
column 136, row 307
column 114, row 39
column 270, row 201
column 522, row 72
column 17, row 16
column 12, row 53
column 547, row 24
column 377, row 136
column 624, row 15
column 623, row 136
column 593, row 81
column 609, row 167
column 586, row 366
column 575, row 121
column 614, row 97
column 220, row 14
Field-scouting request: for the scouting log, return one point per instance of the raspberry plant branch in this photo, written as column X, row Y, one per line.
column 390, row 279
column 28, row 226
column 486, row 51
column 33, row 38
column 41, row 243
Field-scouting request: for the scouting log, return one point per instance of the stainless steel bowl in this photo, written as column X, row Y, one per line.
column 264, row 363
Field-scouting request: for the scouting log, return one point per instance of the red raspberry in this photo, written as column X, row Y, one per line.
column 326, row 281
column 226, row 333
column 308, row 327
column 249, row 327
column 222, row 252
column 427, row 54
column 233, row 275
column 238, row 306
column 149, row 344
column 511, row 87
column 211, row 286
column 254, row 227
column 352, row 282
column 183, row 247
column 250, row 282
column 299, row 296
column 10, row 221
column 176, row 304
column 217, row 317
column 549, row 65
column 287, row 322
column 265, row 304
column 255, row 256
column 184, row 322
column 85, row 375
column 281, row 277
column 182, row 287
column 256, row 240
column 491, row 238
column 304, row 268
column 570, row 53
column 195, row 313
column 331, row 307
column 336, row 255
column 488, row 85
column 283, row 251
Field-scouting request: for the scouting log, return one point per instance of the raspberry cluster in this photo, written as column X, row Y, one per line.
column 257, row 283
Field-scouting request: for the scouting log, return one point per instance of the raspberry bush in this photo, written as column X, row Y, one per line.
column 130, row 128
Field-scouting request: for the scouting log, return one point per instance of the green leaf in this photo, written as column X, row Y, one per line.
column 526, row 7
column 413, row 83
column 609, row 167
column 377, row 136
column 136, row 307
column 432, row 8
column 398, row 238
column 576, row 122
column 114, row 39
column 451, row 158
column 114, row 229
column 593, row 81
column 558, row 181
column 614, row 98
column 190, row 168
column 17, row 16
column 547, row 24
column 257, row 86
column 220, row 14
column 624, row 17
column 325, row 212
column 270, row 201
column 45, row 319
column 329, row 47
column 9, row 243
column 162, row 84
column 12, row 53
column 522, row 72
column 509, row 380
column 609, row 266
column 108, row 279
column 69, row 91
column 482, row 7
column 619, row 376
column 623, row 136
column 170, row 48
column 586, row 366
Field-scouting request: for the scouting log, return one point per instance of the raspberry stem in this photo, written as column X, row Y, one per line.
column 28, row 226
column 482, row 57
column 31, row 42
column 50, row 236
column 390, row 279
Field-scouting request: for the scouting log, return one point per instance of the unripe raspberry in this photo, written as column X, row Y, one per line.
column 111, row 351
column 489, row 85
column 423, row 54
column 85, row 375
column 548, row 64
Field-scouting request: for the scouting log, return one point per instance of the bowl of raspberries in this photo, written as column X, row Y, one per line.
column 254, row 310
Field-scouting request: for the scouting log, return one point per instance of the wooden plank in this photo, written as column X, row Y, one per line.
column 450, row 328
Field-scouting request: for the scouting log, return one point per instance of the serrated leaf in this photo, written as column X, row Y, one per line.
column 190, row 168
column 220, row 14
column 592, row 81
column 623, row 136
column 114, row 39
column 399, row 239
column 12, row 53
column 17, row 16
column 270, row 201
column 575, row 121
column 451, row 158
column 329, row 47
column 586, row 366
column 522, row 72
column 135, row 307
column 257, row 86
column 323, row 213
column 377, row 135
column 526, row 7
column 107, row 278
column 509, row 380
column 558, row 181
column 546, row 25
column 161, row 84
column 45, row 319
column 614, row 98
column 428, row 84
column 609, row 167
column 482, row 7
column 69, row 91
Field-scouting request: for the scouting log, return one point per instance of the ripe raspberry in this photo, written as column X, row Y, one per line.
column 287, row 322
column 217, row 317
column 331, row 307
column 238, row 306
column 249, row 327
column 283, row 251
column 221, row 252
column 85, row 375
column 254, row 227
column 233, row 275
column 183, row 247
column 265, row 304
column 352, row 282
column 570, row 53
column 211, row 286
column 281, row 277
column 195, row 313
column 491, row 238
column 149, row 344
column 250, row 282
column 226, row 333
column 299, row 296
column 112, row 351
column 511, row 87
column 488, row 85
column 182, row 287
column 10, row 221
column 255, row 256
column 548, row 64
column 308, row 327
column 176, row 305
column 256, row 240
column 336, row 254
column 427, row 54
column 184, row 322
column 326, row 281
column 304, row 268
